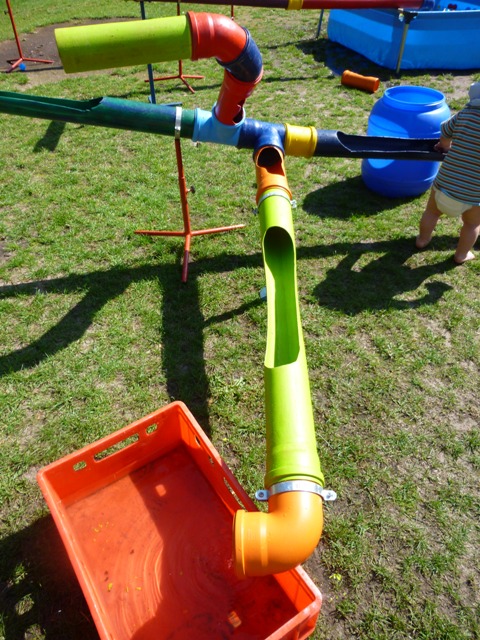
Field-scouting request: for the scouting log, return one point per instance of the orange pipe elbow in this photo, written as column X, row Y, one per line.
column 232, row 96
column 266, row 543
column 216, row 36
column 270, row 171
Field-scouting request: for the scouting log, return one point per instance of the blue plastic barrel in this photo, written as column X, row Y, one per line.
column 404, row 112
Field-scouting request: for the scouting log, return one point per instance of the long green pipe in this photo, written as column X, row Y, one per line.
column 293, row 478
column 289, row 417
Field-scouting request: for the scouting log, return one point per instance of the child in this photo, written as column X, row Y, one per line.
column 456, row 188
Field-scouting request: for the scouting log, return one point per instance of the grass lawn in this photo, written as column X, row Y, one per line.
column 97, row 329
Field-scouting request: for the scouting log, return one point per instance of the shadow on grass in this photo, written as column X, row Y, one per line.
column 380, row 284
column 182, row 323
column 347, row 199
column 51, row 137
column 39, row 592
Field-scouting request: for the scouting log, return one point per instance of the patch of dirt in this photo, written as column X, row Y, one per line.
column 40, row 45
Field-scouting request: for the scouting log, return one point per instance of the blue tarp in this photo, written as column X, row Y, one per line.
column 438, row 39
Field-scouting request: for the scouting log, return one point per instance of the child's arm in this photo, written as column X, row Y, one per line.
column 447, row 130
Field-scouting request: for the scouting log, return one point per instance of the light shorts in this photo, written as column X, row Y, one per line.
column 449, row 206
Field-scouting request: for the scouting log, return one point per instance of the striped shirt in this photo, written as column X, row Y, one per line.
column 459, row 173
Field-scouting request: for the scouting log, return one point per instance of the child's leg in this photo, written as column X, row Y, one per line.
column 428, row 222
column 468, row 235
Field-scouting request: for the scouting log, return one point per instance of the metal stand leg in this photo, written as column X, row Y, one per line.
column 187, row 233
column 406, row 17
column 180, row 75
column 319, row 26
column 153, row 99
column 16, row 62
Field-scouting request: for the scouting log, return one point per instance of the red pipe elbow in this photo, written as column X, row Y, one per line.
column 232, row 96
column 216, row 36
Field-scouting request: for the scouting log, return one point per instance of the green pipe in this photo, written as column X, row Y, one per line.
column 116, row 113
column 122, row 44
column 291, row 444
column 276, row 541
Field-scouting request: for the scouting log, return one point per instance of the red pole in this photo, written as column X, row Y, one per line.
column 187, row 231
column 17, row 62
column 180, row 75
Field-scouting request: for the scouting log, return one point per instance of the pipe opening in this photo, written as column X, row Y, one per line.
column 268, row 157
column 240, row 115
column 283, row 344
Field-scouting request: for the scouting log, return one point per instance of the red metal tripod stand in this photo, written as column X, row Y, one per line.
column 187, row 231
column 16, row 62
column 180, row 75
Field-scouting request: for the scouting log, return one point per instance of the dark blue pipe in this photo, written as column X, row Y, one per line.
column 256, row 134
column 248, row 66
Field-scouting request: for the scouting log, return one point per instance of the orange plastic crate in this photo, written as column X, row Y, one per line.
column 146, row 517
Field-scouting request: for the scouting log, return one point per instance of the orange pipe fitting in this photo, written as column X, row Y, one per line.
column 216, row 36
column 266, row 543
column 270, row 171
column 367, row 83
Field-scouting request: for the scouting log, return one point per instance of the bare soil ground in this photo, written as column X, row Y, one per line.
column 39, row 45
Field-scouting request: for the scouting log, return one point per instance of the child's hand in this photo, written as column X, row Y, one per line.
column 443, row 145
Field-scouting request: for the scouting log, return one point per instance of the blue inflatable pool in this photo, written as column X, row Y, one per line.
column 446, row 37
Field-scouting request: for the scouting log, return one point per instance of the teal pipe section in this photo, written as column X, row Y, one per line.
column 291, row 445
column 104, row 112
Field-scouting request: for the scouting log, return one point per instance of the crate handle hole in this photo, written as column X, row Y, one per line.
column 78, row 466
column 115, row 448
column 151, row 428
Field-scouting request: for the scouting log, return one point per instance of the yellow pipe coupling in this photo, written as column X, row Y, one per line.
column 300, row 141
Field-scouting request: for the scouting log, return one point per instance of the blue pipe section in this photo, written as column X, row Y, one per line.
column 246, row 134
column 208, row 128
column 256, row 134
column 248, row 66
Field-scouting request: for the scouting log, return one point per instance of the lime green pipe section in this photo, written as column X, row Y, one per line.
column 291, row 444
column 121, row 44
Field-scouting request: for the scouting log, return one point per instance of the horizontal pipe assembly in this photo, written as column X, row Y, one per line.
column 203, row 126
